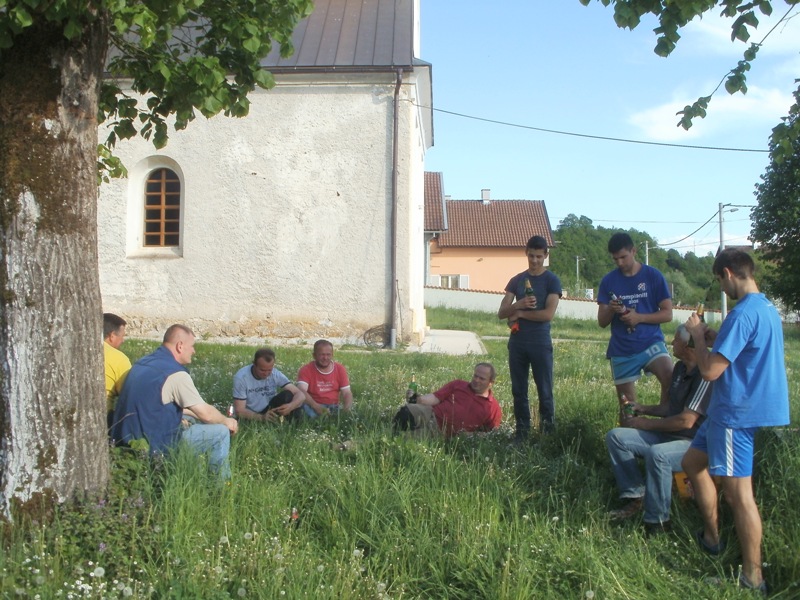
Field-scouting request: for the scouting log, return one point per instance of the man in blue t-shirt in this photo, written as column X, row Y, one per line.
column 634, row 299
column 529, row 344
column 746, row 364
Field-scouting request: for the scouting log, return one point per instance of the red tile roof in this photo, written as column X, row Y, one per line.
column 435, row 214
column 498, row 223
column 351, row 34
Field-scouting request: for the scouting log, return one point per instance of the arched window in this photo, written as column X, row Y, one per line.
column 162, row 209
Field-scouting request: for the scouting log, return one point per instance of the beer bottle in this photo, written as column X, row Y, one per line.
column 615, row 298
column 701, row 310
column 626, row 409
column 529, row 290
column 294, row 519
column 411, row 393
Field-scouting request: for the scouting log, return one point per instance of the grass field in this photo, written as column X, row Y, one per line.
column 472, row 517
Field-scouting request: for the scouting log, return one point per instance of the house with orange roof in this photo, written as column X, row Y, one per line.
column 480, row 244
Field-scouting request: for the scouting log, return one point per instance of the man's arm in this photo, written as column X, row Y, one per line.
column 710, row 364
column 346, row 398
column 318, row 408
column 684, row 420
column 662, row 315
column 298, row 397
column 509, row 308
column 605, row 314
column 544, row 315
column 240, row 405
column 428, row 400
column 206, row 413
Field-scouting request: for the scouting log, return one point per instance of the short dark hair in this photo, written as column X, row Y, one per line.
column 172, row 332
column 320, row 343
column 112, row 323
column 492, row 371
column 268, row 354
column 620, row 241
column 739, row 262
column 537, row 242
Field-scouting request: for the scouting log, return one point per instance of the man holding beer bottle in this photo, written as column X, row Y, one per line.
column 529, row 305
column 634, row 299
column 748, row 368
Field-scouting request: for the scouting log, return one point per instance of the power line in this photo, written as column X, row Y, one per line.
column 586, row 135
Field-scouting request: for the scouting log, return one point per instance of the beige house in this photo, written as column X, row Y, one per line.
column 481, row 243
column 305, row 218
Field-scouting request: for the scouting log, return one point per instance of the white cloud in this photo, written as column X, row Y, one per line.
column 760, row 107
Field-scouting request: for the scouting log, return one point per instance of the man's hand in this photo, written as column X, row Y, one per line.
column 231, row 424
column 284, row 410
column 632, row 422
column 630, row 317
column 525, row 303
column 272, row 415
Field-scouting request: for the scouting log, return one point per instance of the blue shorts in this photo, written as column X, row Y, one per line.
column 729, row 451
column 625, row 369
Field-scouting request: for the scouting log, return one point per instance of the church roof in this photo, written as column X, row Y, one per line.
column 351, row 35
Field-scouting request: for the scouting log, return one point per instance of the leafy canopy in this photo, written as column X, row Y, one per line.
column 776, row 224
column 674, row 15
column 183, row 56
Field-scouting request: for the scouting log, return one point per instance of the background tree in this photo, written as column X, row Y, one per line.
column 776, row 225
column 183, row 56
column 575, row 236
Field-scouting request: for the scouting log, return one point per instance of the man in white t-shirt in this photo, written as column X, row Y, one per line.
column 262, row 393
column 324, row 382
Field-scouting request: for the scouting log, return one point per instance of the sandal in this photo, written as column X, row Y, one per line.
column 745, row 584
column 713, row 550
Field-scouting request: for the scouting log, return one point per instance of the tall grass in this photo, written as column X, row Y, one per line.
column 472, row 517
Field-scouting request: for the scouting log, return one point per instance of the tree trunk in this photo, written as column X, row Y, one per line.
column 53, row 441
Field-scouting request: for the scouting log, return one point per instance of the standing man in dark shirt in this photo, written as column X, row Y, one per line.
column 529, row 344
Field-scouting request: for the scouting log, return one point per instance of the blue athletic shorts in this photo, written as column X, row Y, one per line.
column 730, row 451
column 625, row 369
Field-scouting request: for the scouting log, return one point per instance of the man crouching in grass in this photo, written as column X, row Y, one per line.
column 456, row 407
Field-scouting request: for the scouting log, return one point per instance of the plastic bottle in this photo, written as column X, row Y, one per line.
column 231, row 411
column 294, row 519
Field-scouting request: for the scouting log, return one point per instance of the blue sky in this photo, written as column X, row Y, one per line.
column 562, row 66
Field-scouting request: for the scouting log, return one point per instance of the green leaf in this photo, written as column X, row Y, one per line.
column 21, row 17
column 264, row 79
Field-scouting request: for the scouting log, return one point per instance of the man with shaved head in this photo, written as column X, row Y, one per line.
column 159, row 403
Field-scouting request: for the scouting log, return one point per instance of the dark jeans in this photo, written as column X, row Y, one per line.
column 281, row 398
column 538, row 357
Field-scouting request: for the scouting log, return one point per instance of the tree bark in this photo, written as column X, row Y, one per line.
column 53, row 441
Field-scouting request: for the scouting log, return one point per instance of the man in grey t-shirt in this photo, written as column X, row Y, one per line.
column 257, row 392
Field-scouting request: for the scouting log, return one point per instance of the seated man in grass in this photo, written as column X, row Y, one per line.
column 256, row 392
column 324, row 382
column 160, row 405
column 458, row 406
column 661, row 442
column 116, row 363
